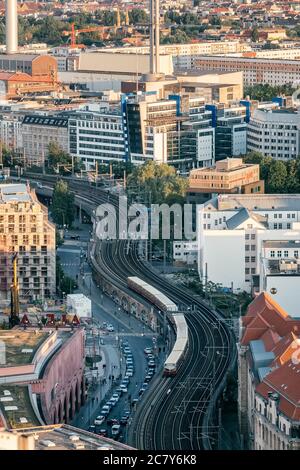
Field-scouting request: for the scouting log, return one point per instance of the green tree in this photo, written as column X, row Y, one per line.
column 277, row 177
column 157, row 183
column 61, row 161
column 64, row 283
column 62, row 208
column 136, row 15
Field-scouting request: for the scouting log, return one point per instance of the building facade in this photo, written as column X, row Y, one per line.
column 275, row 133
column 256, row 70
column 38, row 132
column 226, row 176
column 25, row 229
column 231, row 229
column 268, row 369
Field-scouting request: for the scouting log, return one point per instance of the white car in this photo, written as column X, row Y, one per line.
column 115, row 430
column 110, row 328
column 99, row 420
column 129, row 373
column 123, row 388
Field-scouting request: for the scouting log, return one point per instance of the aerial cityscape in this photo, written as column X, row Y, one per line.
column 150, row 227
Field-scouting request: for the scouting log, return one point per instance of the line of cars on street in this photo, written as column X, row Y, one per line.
column 104, row 421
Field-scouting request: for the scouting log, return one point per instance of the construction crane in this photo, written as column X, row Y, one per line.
column 75, row 32
column 14, row 292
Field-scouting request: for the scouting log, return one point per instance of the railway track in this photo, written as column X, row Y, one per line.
column 182, row 408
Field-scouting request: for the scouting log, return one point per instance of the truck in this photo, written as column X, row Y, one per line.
column 79, row 305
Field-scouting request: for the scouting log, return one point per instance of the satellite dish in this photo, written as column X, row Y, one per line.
column 273, row 290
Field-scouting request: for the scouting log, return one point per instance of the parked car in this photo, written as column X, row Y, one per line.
column 123, row 388
column 102, row 432
column 129, row 373
column 112, row 421
column 99, row 420
column 92, row 428
column 124, row 420
column 148, row 377
column 106, row 407
column 110, row 328
column 115, row 430
column 148, row 351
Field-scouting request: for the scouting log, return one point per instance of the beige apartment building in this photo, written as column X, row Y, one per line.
column 25, row 229
column 38, row 132
column 255, row 70
column 231, row 175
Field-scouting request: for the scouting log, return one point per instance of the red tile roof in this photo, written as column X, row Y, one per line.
column 285, row 381
column 265, row 314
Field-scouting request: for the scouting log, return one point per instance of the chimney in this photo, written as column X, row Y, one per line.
column 11, row 24
column 152, row 37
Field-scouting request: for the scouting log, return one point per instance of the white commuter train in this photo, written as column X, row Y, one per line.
column 177, row 319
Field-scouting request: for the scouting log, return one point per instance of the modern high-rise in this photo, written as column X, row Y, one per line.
column 26, row 230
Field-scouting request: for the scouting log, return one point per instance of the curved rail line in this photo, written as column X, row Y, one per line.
column 182, row 408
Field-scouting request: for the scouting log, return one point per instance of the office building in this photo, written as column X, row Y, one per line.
column 96, row 134
column 268, row 368
column 25, row 229
column 275, row 133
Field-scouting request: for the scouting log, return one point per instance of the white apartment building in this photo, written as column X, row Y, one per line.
column 26, row 230
column 280, row 273
column 275, row 133
column 231, row 230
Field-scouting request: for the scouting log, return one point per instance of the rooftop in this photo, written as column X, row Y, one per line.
column 14, row 192
column 65, row 437
column 260, row 202
column 21, row 346
column 16, row 408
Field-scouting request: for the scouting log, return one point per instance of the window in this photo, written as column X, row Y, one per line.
column 247, row 271
column 279, row 254
column 252, row 270
column 296, row 253
column 253, row 259
column 33, row 249
column 275, row 216
column 288, row 225
column 280, row 226
column 247, row 236
column 275, row 226
column 247, row 247
column 286, row 253
column 247, row 259
column 253, row 236
column 272, row 254
column 253, row 247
